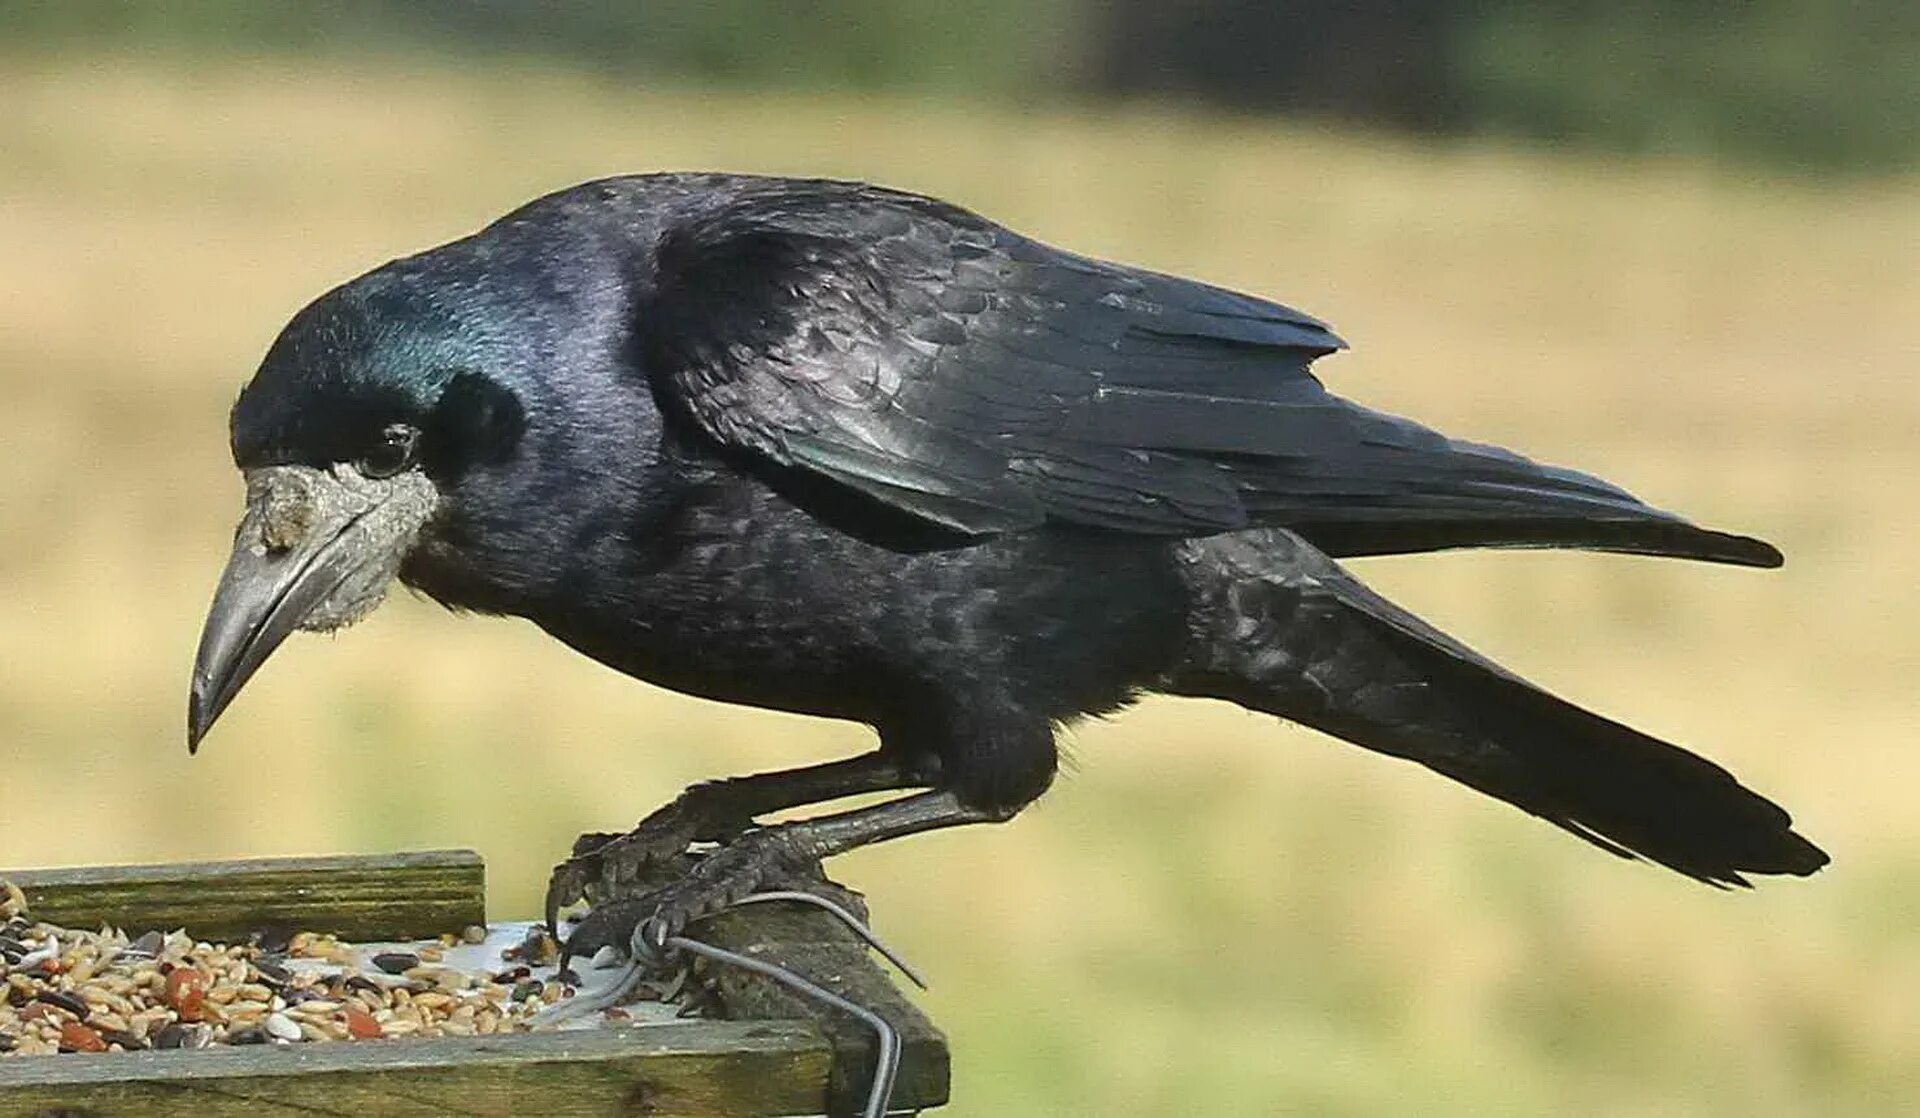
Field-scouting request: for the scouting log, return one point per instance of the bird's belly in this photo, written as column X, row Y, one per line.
column 809, row 620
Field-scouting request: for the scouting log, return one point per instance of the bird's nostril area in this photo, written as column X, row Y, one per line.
column 286, row 517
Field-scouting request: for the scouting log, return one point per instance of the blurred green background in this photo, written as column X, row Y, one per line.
column 1676, row 246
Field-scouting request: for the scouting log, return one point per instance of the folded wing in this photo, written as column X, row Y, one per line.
column 981, row 382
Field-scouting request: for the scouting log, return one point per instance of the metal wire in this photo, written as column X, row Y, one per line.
column 580, row 1005
column 887, row 1059
column 887, row 1056
column 846, row 917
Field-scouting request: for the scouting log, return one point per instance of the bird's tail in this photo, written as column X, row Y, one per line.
column 1282, row 629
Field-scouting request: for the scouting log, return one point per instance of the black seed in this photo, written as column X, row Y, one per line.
column 252, row 1034
column 524, row 990
column 362, row 982
column 149, row 944
column 7, row 1042
column 11, row 949
column 272, row 972
column 173, row 1035
column 272, row 940
column 393, row 962
column 125, row 1040
column 69, row 1002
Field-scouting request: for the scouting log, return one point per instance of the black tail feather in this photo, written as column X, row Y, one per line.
column 1287, row 631
column 1612, row 785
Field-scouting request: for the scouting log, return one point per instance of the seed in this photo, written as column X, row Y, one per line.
column 47, row 953
column 396, row 962
column 362, row 1026
column 187, row 993
column 473, row 934
column 62, row 999
column 281, row 1026
column 176, row 1035
column 78, row 1038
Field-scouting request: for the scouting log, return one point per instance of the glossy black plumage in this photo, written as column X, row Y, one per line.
column 839, row 450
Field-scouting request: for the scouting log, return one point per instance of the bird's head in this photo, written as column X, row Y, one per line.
column 360, row 429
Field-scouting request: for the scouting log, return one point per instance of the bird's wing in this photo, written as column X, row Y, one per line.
column 983, row 382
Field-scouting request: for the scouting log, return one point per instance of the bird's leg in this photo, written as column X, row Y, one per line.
column 605, row 867
column 763, row 858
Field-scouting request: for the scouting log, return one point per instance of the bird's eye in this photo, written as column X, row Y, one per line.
column 393, row 453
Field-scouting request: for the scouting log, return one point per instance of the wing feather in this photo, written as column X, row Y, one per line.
column 983, row 382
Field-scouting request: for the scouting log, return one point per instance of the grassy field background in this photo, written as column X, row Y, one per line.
column 1213, row 913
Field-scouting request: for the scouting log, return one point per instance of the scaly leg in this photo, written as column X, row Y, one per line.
column 766, row 858
column 604, row 866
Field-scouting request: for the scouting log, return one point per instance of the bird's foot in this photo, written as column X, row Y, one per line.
column 640, row 925
column 608, row 867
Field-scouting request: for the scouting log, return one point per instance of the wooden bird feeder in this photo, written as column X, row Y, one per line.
column 765, row 1051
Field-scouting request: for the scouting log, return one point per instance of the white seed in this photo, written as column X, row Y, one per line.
column 14, row 903
column 281, row 1026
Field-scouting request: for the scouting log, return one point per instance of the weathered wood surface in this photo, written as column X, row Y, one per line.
column 812, row 943
column 777, row 1053
column 366, row 898
column 693, row 1068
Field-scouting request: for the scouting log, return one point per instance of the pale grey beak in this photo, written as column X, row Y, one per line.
column 316, row 549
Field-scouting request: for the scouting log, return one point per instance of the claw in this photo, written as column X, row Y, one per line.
column 609, row 925
column 642, row 924
column 563, row 888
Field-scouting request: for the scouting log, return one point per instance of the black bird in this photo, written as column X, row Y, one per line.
column 829, row 448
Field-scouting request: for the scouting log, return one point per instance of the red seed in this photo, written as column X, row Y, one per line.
column 187, row 993
column 36, row 1011
column 78, row 1037
column 362, row 1026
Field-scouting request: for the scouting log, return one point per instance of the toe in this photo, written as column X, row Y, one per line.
column 611, row 924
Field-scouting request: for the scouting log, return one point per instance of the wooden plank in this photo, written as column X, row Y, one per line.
column 779, row 1053
column 357, row 897
column 812, row 943
column 703, row 1068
